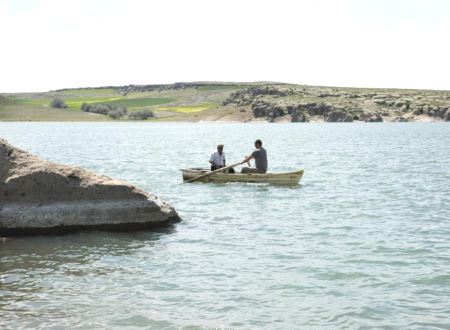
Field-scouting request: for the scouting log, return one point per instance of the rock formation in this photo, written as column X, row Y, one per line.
column 37, row 196
column 339, row 117
column 374, row 119
column 309, row 103
column 297, row 117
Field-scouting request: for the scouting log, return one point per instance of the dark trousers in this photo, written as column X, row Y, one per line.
column 251, row 170
column 214, row 167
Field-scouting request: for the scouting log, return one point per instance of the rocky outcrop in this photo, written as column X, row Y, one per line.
column 330, row 104
column 247, row 95
column 446, row 116
column 339, row 117
column 300, row 111
column 262, row 109
column 298, row 117
column 374, row 119
column 317, row 109
column 37, row 196
column 432, row 111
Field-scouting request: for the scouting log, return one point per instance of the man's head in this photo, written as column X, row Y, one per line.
column 258, row 144
column 220, row 148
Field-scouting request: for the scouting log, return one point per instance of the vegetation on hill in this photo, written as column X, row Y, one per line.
column 141, row 115
column 111, row 110
column 58, row 104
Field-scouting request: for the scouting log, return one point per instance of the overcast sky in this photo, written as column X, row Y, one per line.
column 51, row 44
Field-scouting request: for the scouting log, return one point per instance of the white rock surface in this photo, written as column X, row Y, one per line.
column 38, row 196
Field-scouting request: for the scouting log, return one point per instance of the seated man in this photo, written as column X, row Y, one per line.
column 217, row 159
column 260, row 157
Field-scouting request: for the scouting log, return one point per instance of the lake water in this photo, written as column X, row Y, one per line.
column 363, row 242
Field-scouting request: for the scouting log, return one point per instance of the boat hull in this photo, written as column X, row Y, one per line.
column 290, row 178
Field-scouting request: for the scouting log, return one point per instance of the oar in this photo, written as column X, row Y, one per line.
column 212, row 172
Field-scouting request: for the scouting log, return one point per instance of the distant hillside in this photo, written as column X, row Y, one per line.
column 4, row 100
column 126, row 89
column 234, row 101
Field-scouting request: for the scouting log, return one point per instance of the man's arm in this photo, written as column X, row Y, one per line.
column 247, row 159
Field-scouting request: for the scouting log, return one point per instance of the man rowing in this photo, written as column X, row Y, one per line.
column 217, row 159
column 260, row 157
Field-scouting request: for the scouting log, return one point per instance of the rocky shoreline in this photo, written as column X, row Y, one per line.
column 283, row 103
column 41, row 197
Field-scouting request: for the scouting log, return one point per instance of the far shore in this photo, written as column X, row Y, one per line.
column 219, row 121
column 209, row 102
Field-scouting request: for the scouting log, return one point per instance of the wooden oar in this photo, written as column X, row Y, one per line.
column 212, row 172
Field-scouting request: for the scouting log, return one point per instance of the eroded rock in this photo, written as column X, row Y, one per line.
column 298, row 117
column 374, row 119
column 446, row 115
column 38, row 196
column 339, row 116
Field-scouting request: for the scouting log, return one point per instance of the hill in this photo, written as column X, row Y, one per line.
column 242, row 102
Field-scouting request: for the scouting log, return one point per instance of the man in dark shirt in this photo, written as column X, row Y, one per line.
column 260, row 157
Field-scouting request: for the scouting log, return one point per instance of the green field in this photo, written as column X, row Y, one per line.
column 139, row 102
column 166, row 102
column 187, row 108
column 75, row 103
column 18, row 112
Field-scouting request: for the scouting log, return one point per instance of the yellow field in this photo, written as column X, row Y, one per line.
column 187, row 108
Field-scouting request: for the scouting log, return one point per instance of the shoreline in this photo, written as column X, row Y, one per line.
column 201, row 121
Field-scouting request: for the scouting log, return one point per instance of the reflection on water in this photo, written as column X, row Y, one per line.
column 26, row 261
column 361, row 243
column 77, row 247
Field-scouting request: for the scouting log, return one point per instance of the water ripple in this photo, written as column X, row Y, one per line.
column 362, row 243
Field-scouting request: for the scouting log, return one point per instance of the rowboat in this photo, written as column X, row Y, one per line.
column 290, row 178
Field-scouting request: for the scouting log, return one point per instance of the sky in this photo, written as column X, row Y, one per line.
column 52, row 44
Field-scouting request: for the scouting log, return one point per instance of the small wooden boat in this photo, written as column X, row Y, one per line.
column 290, row 178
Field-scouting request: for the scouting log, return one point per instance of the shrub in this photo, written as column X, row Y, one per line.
column 117, row 113
column 85, row 107
column 113, row 111
column 141, row 115
column 100, row 108
column 114, row 114
column 58, row 103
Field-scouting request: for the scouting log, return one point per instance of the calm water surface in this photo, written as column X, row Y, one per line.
column 363, row 242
